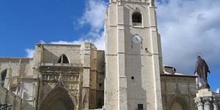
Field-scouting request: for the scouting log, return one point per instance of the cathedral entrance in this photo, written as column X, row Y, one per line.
column 176, row 106
column 59, row 105
column 57, row 99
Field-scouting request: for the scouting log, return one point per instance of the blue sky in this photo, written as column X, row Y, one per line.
column 187, row 27
column 24, row 23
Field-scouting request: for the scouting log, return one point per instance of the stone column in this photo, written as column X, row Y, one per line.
column 85, row 60
column 215, row 104
column 199, row 103
column 207, row 103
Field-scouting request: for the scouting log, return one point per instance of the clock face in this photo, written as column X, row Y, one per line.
column 136, row 39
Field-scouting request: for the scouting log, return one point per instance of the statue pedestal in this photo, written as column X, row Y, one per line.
column 206, row 100
column 204, row 93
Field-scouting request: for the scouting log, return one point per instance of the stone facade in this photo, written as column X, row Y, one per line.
column 128, row 75
column 69, row 76
column 78, row 72
column 178, row 92
column 73, row 79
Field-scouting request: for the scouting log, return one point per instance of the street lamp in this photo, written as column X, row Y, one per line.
column 5, row 106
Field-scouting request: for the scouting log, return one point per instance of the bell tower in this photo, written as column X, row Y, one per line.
column 133, row 56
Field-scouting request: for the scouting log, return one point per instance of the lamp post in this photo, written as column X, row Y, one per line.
column 5, row 106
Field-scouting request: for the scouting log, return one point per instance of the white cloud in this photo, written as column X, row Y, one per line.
column 94, row 15
column 218, row 90
column 99, row 41
column 30, row 53
column 188, row 27
column 42, row 42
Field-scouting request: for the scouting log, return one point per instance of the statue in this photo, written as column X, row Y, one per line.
column 202, row 71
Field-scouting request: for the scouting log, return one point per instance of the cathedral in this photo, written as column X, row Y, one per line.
column 128, row 75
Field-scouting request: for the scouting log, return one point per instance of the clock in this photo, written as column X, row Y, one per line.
column 136, row 39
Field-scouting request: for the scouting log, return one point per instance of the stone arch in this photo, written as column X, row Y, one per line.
column 58, row 99
column 63, row 59
column 178, row 103
column 3, row 76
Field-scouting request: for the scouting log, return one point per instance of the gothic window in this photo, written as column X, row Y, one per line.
column 63, row 59
column 3, row 76
column 136, row 18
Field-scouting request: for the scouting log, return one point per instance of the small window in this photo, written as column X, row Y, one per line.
column 3, row 76
column 63, row 59
column 136, row 18
column 140, row 107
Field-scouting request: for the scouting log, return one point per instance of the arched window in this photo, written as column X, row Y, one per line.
column 3, row 76
column 63, row 59
column 136, row 18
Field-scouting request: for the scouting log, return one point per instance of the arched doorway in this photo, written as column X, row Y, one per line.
column 57, row 99
column 178, row 103
column 176, row 106
column 59, row 105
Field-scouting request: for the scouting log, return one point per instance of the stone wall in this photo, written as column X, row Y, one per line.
column 16, row 102
column 81, row 78
column 20, row 78
column 97, row 79
column 52, row 52
column 15, row 69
